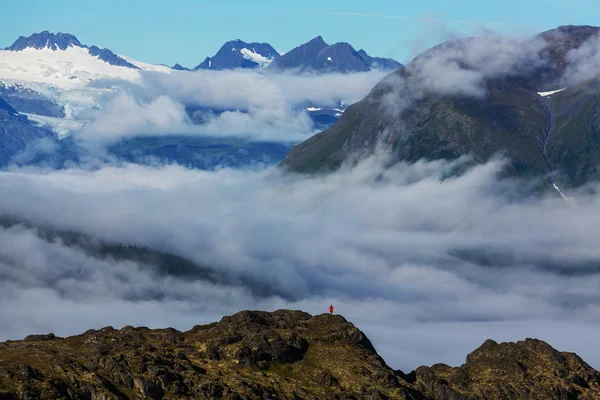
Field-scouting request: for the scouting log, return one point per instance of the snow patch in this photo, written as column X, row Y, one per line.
column 329, row 59
column 72, row 68
column 311, row 109
column 261, row 60
column 145, row 66
column 550, row 93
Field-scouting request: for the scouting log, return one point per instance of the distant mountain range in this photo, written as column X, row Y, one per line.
column 543, row 130
column 313, row 56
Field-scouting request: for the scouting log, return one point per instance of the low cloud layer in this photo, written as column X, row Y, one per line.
column 251, row 104
column 428, row 267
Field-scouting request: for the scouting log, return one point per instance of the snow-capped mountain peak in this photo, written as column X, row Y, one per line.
column 60, row 60
column 64, row 41
column 239, row 54
column 46, row 40
column 70, row 68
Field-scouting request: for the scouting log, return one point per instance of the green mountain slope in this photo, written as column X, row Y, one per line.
column 574, row 145
column 540, row 136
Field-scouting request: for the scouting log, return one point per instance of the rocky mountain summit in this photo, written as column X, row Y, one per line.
column 279, row 355
column 45, row 40
column 316, row 56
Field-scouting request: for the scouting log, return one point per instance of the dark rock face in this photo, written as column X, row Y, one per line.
column 4, row 106
column 551, row 136
column 301, row 55
column 230, row 56
column 318, row 56
column 16, row 133
column 178, row 67
column 109, row 57
column 386, row 64
column 279, row 355
column 40, row 338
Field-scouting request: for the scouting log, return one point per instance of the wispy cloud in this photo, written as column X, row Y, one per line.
column 259, row 106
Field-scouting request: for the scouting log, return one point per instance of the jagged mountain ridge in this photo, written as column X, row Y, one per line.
column 317, row 56
column 233, row 54
column 512, row 119
column 280, row 355
column 45, row 39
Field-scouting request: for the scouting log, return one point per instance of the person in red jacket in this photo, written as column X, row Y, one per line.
column 330, row 309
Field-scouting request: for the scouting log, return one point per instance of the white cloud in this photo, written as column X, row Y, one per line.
column 461, row 67
column 259, row 106
column 244, row 89
column 125, row 116
column 583, row 63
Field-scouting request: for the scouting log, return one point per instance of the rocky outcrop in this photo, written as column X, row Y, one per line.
column 530, row 369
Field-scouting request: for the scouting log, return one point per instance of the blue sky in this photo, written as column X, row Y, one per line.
column 186, row 31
